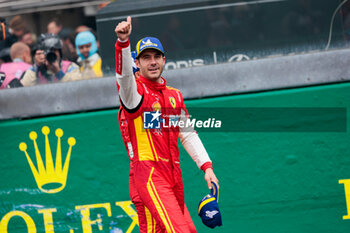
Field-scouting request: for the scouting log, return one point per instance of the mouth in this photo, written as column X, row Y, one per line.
column 153, row 69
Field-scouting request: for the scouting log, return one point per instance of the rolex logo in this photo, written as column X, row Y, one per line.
column 52, row 177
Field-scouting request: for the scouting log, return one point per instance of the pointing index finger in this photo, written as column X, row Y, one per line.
column 128, row 19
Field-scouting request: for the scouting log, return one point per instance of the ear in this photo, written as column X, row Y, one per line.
column 137, row 63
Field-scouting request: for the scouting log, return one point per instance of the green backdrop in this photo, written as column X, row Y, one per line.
column 281, row 180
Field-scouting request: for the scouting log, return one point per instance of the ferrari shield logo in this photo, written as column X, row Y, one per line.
column 172, row 102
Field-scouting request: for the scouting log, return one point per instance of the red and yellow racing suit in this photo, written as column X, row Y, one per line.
column 155, row 179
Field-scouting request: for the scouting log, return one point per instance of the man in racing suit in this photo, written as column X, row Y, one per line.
column 156, row 185
column 144, row 216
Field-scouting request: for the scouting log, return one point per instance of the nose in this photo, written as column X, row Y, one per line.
column 153, row 60
column 85, row 49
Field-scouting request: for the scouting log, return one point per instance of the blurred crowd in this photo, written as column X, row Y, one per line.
column 57, row 55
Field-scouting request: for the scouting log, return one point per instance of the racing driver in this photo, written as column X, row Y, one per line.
column 156, row 186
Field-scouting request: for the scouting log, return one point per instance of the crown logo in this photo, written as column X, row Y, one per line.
column 50, row 178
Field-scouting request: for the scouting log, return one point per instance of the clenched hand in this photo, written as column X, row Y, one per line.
column 123, row 29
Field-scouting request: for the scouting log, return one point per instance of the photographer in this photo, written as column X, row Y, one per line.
column 48, row 64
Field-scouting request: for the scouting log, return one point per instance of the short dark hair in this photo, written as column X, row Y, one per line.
column 17, row 23
column 56, row 21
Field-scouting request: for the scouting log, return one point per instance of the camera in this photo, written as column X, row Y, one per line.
column 49, row 43
column 51, row 56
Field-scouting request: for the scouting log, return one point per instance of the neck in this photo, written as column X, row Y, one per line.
column 156, row 80
column 18, row 59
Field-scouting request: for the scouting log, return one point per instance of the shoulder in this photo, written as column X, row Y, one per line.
column 70, row 65
column 96, row 56
column 29, row 77
column 4, row 65
column 26, row 65
column 176, row 93
column 32, row 69
column 173, row 89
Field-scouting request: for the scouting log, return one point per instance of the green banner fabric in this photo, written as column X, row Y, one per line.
column 282, row 159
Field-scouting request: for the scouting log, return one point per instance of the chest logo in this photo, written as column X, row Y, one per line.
column 172, row 101
column 156, row 106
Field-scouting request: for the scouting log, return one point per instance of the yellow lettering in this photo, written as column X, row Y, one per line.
column 347, row 196
column 48, row 222
column 126, row 206
column 28, row 220
column 85, row 212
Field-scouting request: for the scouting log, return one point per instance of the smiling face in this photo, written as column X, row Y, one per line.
column 151, row 63
column 85, row 49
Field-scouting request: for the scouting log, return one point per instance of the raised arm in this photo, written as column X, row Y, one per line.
column 125, row 79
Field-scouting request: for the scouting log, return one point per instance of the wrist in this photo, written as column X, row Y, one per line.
column 123, row 40
column 123, row 43
column 59, row 75
column 206, row 165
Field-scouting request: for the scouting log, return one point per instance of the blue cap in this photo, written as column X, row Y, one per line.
column 134, row 67
column 208, row 208
column 148, row 43
column 86, row 37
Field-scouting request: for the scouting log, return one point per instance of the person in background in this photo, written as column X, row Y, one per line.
column 27, row 38
column 17, row 27
column 82, row 28
column 22, row 59
column 89, row 60
column 48, row 64
column 68, row 49
column 54, row 27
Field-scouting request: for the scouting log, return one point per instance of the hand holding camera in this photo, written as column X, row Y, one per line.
column 54, row 67
column 47, row 58
column 48, row 52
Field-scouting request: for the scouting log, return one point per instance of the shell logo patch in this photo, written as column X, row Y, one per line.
column 172, row 102
column 156, row 106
